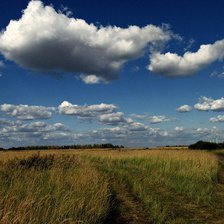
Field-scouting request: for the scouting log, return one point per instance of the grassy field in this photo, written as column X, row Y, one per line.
column 52, row 189
column 111, row 186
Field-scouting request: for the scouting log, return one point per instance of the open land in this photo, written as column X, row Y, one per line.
column 174, row 185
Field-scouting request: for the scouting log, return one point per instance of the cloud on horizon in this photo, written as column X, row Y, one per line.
column 130, row 134
column 111, row 126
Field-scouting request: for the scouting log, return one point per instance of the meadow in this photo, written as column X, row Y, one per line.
column 111, row 186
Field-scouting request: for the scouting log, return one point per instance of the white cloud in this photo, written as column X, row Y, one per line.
column 129, row 133
column 33, row 133
column 219, row 118
column 137, row 126
column 85, row 111
column 184, row 108
column 158, row 119
column 105, row 114
column 171, row 64
column 43, row 39
column 112, row 118
column 109, row 134
column 37, row 128
column 26, row 112
column 157, row 133
column 118, row 118
column 91, row 79
column 123, row 130
column 209, row 104
column 179, row 129
column 32, row 127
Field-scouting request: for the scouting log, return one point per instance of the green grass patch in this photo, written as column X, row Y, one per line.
column 174, row 187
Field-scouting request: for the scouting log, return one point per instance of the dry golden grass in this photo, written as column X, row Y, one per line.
column 42, row 190
column 174, row 185
column 4, row 155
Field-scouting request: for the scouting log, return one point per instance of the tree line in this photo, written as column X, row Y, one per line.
column 77, row 146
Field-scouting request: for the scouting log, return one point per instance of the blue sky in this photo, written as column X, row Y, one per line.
column 137, row 73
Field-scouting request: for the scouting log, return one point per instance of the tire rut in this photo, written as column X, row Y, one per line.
column 125, row 208
column 221, row 169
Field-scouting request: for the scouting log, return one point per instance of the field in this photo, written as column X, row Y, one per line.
column 111, row 186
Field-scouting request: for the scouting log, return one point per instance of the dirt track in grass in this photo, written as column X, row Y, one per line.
column 125, row 208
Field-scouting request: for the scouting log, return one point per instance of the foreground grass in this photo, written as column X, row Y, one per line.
column 175, row 186
column 109, row 186
column 52, row 189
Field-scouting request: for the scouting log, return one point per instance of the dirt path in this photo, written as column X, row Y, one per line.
column 125, row 209
column 221, row 169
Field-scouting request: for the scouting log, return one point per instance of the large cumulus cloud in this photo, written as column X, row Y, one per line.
column 47, row 40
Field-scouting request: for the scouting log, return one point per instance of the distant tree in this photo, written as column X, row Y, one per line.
column 206, row 145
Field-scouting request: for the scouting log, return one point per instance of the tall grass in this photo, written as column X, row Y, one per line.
column 50, row 189
column 175, row 186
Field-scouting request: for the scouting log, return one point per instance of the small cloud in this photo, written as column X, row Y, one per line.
column 112, row 118
column 0, row 75
column 209, row 104
column 179, row 129
column 183, row 109
column 219, row 118
column 91, row 79
column 158, row 119
column 85, row 111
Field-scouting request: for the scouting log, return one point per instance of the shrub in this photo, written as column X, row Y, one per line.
column 37, row 162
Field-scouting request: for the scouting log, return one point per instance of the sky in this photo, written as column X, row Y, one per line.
column 136, row 73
